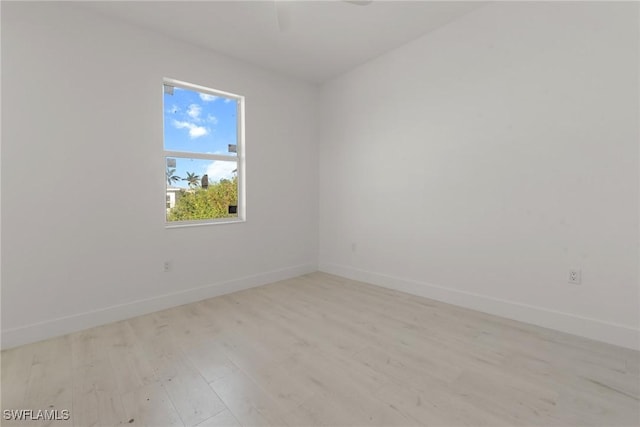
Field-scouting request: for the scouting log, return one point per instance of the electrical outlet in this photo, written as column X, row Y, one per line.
column 575, row 277
column 167, row 266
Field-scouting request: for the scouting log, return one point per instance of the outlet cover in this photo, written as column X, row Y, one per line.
column 575, row 277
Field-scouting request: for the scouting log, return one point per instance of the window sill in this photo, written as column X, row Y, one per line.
column 204, row 222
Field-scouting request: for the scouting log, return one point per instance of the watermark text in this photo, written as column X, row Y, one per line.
column 36, row 414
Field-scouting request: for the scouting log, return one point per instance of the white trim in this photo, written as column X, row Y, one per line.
column 200, row 222
column 595, row 329
column 241, row 155
column 65, row 325
column 204, row 156
column 191, row 86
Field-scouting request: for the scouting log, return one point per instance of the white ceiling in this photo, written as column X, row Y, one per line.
column 320, row 39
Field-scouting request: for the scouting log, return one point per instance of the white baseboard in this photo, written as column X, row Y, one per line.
column 594, row 329
column 76, row 322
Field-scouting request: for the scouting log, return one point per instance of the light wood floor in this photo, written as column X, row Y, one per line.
column 322, row 350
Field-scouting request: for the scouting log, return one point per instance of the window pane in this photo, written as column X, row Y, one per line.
column 201, row 189
column 197, row 122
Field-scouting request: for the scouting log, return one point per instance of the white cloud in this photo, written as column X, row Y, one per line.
column 207, row 98
column 195, row 131
column 227, row 100
column 212, row 119
column 194, row 111
column 221, row 170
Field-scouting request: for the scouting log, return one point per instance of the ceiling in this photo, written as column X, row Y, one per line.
column 310, row 40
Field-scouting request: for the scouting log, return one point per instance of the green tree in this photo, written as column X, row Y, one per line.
column 192, row 179
column 171, row 177
column 209, row 203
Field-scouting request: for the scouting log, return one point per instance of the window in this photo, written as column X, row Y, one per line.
column 203, row 154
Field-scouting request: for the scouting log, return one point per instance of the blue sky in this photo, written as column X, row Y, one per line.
column 200, row 123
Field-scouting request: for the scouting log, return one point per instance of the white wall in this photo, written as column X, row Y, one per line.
column 479, row 163
column 83, row 207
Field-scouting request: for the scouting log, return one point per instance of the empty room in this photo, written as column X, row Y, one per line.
column 320, row 213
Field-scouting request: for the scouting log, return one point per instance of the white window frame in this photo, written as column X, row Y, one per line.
column 239, row 158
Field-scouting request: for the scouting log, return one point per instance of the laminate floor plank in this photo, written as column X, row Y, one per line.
column 223, row 419
column 150, row 406
column 16, row 371
column 50, row 382
column 249, row 404
column 96, row 397
column 321, row 350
